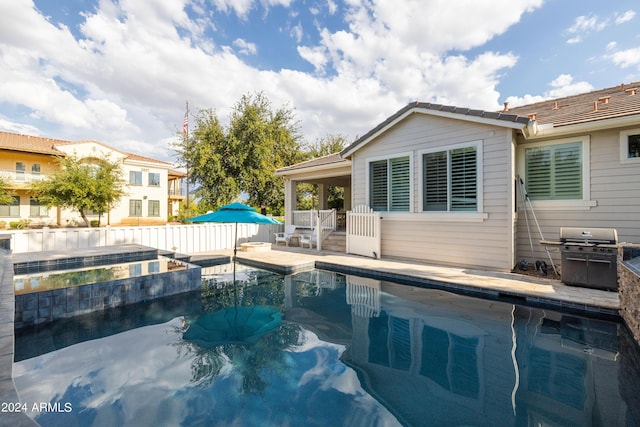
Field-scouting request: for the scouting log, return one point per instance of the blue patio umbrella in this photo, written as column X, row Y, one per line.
column 233, row 325
column 242, row 325
column 235, row 213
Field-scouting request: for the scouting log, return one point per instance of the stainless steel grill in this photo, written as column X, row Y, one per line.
column 589, row 257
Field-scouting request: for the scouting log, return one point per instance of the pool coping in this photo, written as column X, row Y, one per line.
column 486, row 284
column 8, row 392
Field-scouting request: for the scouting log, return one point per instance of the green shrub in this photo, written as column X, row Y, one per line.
column 95, row 223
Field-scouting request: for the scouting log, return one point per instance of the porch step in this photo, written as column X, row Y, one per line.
column 336, row 241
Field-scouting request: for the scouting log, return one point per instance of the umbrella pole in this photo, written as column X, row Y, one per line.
column 235, row 245
column 235, row 250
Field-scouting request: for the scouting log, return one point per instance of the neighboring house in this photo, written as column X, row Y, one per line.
column 152, row 185
column 447, row 179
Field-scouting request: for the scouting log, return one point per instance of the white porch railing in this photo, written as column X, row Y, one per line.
column 310, row 219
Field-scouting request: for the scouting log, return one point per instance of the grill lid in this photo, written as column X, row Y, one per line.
column 593, row 236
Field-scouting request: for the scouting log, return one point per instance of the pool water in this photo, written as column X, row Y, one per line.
column 58, row 279
column 349, row 351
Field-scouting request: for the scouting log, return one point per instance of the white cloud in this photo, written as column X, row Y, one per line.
column 626, row 58
column 333, row 7
column 315, row 56
column 297, row 32
column 239, row 7
column 245, row 47
column 625, row 17
column 125, row 79
column 584, row 24
column 561, row 86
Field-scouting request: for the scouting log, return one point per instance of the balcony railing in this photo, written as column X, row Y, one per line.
column 18, row 177
column 177, row 192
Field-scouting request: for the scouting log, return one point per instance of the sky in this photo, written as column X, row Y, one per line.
column 122, row 71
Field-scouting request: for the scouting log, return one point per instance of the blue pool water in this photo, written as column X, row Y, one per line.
column 348, row 351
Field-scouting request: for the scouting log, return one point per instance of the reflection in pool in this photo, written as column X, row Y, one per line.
column 350, row 351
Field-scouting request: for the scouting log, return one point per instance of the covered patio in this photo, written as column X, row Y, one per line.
column 326, row 171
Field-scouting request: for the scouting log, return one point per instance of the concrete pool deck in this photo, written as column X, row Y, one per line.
column 510, row 287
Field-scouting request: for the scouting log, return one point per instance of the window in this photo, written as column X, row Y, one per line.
column 135, row 178
column 451, row 361
column 390, row 184
column 135, row 207
column 450, row 179
column 35, row 169
column 554, row 172
column 20, row 168
column 154, row 179
column 633, row 146
column 12, row 209
column 154, row 208
column 153, row 267
column 36, row 209
column 630, row 146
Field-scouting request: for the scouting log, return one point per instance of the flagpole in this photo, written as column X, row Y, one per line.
column 185, row 130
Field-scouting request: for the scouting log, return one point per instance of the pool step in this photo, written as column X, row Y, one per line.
column 336, row 241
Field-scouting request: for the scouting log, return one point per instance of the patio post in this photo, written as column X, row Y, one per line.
column 289, row 200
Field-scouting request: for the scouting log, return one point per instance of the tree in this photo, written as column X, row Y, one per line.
column 5, row 194
column 82, row 185
column 243, row 158
column 330, row 144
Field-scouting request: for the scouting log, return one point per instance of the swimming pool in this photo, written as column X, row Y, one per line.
column 349, row 351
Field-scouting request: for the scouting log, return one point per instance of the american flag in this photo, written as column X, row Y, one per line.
column 185, row 124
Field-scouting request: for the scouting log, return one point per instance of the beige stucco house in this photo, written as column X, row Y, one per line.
column 152, row 186
column 447, row 180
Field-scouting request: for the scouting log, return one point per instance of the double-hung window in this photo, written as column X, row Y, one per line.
column 390, row 184
column 630, row 146
column 554, row 172
column 20, row 169
column 36, row 209
column 451, row 179
column 135, row 207
column 154, row 179
column 12, row 209
column 154, row 208
column 135, row 178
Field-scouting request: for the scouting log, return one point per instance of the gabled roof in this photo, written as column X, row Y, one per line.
column 41, row 145
column 613, row 102
column 319, row 162
column 479, row 116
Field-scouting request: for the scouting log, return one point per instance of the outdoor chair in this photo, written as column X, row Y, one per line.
column 309, row 239
column 285, row 236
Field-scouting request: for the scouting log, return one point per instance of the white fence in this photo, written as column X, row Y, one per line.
column 363, row 232
column 187, row 239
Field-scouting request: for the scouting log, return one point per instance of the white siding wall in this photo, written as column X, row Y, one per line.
column 486, row 243
column 615, row 189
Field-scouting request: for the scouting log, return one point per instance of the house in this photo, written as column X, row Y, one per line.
column 153, row 186
column 449, row 181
